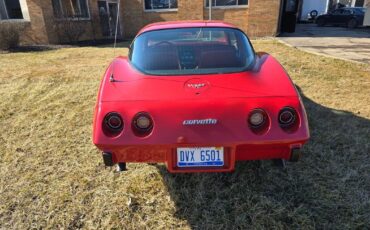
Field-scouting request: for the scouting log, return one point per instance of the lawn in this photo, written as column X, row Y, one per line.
column 51, row 175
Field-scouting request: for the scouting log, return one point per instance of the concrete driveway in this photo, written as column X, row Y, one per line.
column 339, row 42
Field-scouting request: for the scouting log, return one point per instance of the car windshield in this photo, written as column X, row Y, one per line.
column 188, row 51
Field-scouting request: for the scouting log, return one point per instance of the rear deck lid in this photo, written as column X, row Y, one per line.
column 131, row 85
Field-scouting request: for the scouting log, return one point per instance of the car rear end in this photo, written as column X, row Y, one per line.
column 220, row 131
column 199, row 100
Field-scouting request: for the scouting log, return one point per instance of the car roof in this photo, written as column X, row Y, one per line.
column 184, row 24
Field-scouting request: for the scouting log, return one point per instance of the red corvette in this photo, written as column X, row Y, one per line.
column 196, row 96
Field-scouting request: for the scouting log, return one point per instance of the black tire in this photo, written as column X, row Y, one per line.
column 121, row 166
column 279, row 163
column 320, row 22
column 352, row 23
column 295, row 155
column 295, row 158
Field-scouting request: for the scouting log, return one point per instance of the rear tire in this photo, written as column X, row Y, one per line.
column 279, row 163
column 320, row 22
column 352, row 23
column 121, row 167
column 295, row 155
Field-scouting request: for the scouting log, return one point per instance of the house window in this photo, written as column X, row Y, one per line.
column 160, row 4
column 70, row 8
column 227, row 3
column 10, row 9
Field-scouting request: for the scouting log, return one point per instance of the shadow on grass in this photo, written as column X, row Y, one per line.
column 326, row 189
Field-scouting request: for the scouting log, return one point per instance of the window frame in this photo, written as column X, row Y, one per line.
column 237, row 6
column 161, row 10
column 13, row 19
column 65, row 17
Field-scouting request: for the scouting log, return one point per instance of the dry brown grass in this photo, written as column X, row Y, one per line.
column 53, row 177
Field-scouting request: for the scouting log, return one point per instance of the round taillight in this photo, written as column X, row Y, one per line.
column 288, row 119
column 258, row 121
column 257, row 118
column 142, row 124
column 287, row 116
column 112, row 124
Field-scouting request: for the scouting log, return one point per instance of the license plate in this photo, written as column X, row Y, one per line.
column 200, row 157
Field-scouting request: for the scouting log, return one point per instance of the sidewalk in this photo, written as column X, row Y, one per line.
column 339, row 42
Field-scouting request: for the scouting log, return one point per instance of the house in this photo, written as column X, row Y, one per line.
column 60, row 21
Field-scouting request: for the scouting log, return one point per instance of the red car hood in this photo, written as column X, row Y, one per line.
column 131, row 85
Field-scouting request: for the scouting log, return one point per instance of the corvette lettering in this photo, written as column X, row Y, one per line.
column 200, row 122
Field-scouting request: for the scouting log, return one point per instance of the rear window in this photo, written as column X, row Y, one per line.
column 190, row 51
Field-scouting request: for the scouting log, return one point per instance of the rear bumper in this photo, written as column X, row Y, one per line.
column 167, row 154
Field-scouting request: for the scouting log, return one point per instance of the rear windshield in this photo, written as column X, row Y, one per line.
column 192, row 51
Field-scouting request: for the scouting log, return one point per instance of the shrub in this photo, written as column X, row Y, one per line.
column 71, row 29
column 10, row 34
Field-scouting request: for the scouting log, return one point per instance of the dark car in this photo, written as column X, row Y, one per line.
column 348, row 16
